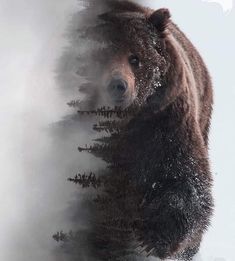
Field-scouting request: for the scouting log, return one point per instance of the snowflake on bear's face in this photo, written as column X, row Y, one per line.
column 135, row 67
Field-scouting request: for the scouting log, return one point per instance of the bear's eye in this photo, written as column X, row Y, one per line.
column 134, row 60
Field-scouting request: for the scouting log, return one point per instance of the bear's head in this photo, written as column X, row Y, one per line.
column 137, row 60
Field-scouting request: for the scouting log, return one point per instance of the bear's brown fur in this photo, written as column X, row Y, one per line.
column 170, row 64
column 151, row 63
column 168, row 75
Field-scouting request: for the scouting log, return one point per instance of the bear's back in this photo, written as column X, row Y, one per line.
column 201, row 78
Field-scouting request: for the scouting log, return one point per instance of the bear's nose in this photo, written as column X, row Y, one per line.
column 117, row 87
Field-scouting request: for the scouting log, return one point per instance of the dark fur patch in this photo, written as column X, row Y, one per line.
column 160, row 19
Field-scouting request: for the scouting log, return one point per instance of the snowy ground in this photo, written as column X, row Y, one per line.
column 31, row 40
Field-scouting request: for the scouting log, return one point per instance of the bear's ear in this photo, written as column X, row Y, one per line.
column 160, row 18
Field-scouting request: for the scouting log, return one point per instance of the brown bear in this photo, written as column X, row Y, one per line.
column 149, row 62
column 153, row 64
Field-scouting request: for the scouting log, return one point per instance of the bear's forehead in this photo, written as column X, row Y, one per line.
column 132, row 23
column 134, row 31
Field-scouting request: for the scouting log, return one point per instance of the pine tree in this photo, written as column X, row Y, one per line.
column 86, row 181
column 119, row 197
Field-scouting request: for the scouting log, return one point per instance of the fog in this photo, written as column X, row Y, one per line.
column 37, row 157
column 34, row 195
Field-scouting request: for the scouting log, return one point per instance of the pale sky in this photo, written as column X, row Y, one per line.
column 31, row 35
column 227, row 5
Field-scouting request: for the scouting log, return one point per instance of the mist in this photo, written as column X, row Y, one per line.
column 35, row 159
column 38, row 155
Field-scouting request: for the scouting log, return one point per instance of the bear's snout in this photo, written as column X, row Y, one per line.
column 117, row 89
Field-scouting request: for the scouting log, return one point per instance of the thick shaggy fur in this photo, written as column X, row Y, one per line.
column 172, row 138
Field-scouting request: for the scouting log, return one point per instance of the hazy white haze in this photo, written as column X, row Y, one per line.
column 227, row 5
column 33, row 195
column 35, row 157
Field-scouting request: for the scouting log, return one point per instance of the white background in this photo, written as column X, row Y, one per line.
column 31, row 38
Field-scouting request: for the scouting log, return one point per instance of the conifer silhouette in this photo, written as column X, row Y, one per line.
column 86, row 181
column 118, row 197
